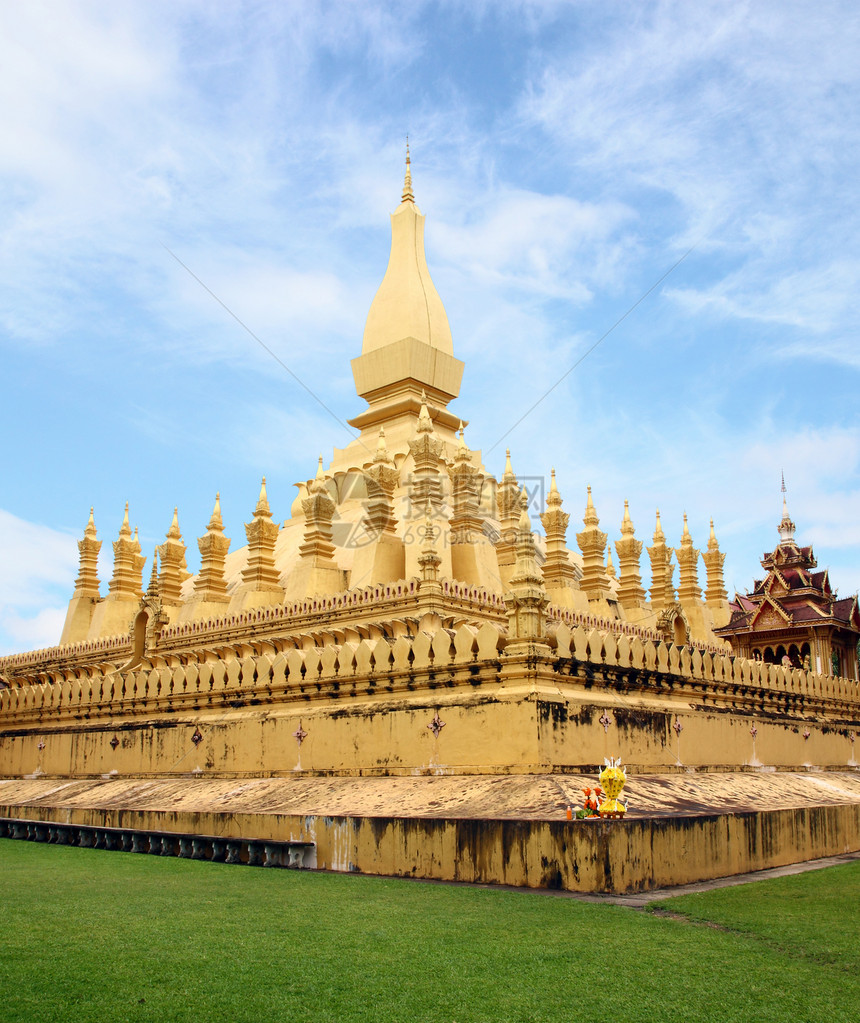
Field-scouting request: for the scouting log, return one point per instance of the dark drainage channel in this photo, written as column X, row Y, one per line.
column 249, row 851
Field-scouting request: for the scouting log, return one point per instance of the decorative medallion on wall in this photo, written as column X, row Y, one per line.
column 678, row 727
column 300, row 734
column 41, row 746
column 114, row 742
column 436, row 725
column 806, row 733
column 753, row 732
column 197, row 738
column 605, row 720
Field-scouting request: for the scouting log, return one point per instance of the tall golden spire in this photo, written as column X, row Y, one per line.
column 174, row 568
column 662, row 569
column 408, row 195
column 211, row 583
column 713, row 557
column 407, row 304
column 126, row 582
column 87, row 583
column 592, row 543
column 629, row 549
column 557, row 570
column 689, row 591
column 526, row 600
column 260, row 573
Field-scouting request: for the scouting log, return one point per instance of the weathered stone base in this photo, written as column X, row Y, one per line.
column 758, row 822
column 549, row 724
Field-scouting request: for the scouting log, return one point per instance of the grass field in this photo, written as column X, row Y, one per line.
column 87, row 934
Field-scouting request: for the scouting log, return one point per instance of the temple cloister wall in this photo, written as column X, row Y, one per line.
column 412, row 696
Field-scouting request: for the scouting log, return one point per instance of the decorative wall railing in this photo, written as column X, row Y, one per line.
column 467, row 656
column 378, row 602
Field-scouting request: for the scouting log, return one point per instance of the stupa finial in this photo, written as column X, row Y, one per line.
column 425, row 423
column 216, row 523
column 173, row 533
column 590, row 518
column 554, row 497
column 125, row 529
column 786, row 527
column 525, row 521
column 263, row 501
column 627, row 523
column 152, row 589
column 408, row 194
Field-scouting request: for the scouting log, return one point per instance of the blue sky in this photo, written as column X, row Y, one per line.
column 566, row 156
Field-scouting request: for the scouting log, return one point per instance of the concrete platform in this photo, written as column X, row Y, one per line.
column 681, row 828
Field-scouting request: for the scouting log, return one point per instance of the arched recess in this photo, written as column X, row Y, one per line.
column 673, row 626
column 138, row 637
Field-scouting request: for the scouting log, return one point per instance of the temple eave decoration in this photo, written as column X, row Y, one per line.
column 792, row 616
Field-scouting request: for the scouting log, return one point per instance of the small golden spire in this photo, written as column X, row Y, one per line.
column 152, row 589
column 425, row 423
column 509, row 472
column 91, row 526
column 525, row 518
column 659, row 535
column 216, row 523
column 590, row 518
column 712, row 539
column 554, row 499
column 263, row 501
column 408, row 195
column 125, row 529
column 686, row 527
column 627, row 522
column 318, row 486
column 173, row 533
column 463, row 452
column 610, row 568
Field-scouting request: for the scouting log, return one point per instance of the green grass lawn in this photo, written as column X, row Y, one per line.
column 88, row 934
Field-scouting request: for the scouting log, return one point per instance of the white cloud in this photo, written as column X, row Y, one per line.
column 37, row 571
column 550, row 245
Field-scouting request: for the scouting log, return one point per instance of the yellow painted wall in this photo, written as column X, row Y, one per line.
column 611, row 856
